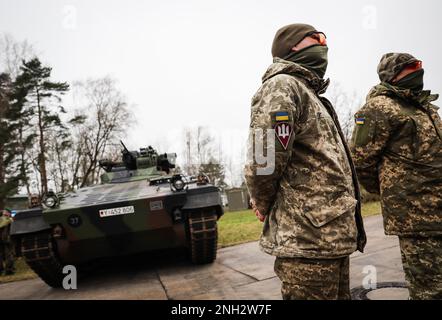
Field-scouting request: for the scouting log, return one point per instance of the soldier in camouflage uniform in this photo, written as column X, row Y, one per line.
column 397, row 149
column 6, row 246
column 310, row 201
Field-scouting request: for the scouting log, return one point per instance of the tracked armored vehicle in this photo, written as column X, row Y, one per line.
column 140, row 206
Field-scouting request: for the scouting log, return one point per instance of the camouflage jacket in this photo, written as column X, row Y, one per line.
column 397, row 150
column 5, row 224
column 310, row 199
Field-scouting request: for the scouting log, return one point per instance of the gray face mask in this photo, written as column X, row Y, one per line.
column 314, row 58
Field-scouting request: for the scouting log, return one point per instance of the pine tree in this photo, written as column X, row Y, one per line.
column 10, row 173
column 39, row 96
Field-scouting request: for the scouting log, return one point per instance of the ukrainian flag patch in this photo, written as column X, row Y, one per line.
column 360, row 120
column 282, row 116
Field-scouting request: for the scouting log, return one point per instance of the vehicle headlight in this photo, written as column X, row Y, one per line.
column 178, row 185
column 50, row 200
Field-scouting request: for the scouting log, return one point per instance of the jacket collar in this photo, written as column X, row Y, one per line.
column 423, row 98
column 281, row 66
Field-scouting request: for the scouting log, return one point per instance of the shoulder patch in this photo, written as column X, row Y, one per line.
column 360, row 120
column 364, row 130
column 282, row 116
column 283, row 131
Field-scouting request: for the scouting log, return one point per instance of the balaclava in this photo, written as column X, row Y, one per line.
column 313, row 57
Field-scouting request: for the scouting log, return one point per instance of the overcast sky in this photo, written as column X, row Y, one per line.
column 183, row 63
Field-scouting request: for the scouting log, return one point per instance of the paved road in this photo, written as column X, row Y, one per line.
column 240, row 272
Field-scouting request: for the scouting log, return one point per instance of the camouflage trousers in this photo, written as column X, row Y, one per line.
column 314, row 279
column 422, row 263
column 6, row 257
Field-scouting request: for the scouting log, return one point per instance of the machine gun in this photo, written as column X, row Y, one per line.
column 129, row 158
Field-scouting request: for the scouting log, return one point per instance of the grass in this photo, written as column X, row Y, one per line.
column 234, row 228
column 23, row 272
column 242, row 226
column 371, row 209
column 238, row 227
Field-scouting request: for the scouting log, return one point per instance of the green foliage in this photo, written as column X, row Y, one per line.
column 371, row 208
column 215, row 172
column 40, row 98
column 10, row 173
column 238, row 227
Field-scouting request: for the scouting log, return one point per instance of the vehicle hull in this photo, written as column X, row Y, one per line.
column 104, row 230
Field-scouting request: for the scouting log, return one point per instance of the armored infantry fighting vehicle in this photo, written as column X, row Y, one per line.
column 139, row 206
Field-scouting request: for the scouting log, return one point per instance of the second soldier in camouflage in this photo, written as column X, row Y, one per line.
column 397, row 149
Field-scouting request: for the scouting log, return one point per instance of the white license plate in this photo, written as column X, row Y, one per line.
column 116, row 211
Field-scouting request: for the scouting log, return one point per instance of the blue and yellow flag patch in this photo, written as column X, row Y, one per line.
column 360, row 120
column 282, row 116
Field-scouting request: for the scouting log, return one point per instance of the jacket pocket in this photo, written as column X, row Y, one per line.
column 326, row 211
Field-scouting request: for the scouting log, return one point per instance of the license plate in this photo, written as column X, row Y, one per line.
column 116, row 211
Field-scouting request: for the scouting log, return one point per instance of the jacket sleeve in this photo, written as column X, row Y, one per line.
column 274, row 114
column 370, row 137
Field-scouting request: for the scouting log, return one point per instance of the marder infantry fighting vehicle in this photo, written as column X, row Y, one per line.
column 139, row 206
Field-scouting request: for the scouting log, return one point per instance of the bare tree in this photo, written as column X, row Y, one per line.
column 187, row 134
column 106, row 119
column 12, row 53
column 190, row 167
column 199, row 145
column 346, row 105
column 205, row 145
column 60, row 143
column 203, row 154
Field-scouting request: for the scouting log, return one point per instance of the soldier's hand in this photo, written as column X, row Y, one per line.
column 258, row 214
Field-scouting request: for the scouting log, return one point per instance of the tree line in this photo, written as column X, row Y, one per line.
column 47, row 144
column 43, row 145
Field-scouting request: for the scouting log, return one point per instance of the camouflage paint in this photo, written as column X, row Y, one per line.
column 151, row 226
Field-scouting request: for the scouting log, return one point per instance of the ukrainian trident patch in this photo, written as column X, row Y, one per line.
column 283, row 131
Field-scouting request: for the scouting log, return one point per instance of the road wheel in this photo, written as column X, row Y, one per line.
column 203, row 236
column 39, row 251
